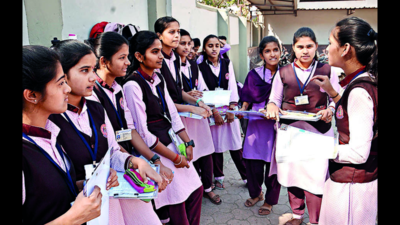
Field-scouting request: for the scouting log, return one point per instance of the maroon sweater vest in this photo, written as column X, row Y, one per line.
column 174, row 86
column 356, row 173
column 195, row 76
column 112, row 114
column 156, row 122
column 47, row 193
column 209, row 77
column 317, row 100
column 74, row 146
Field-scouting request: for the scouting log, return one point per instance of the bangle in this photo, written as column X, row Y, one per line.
column 198, row 100
column 337, row 93
column 177, row 155
column 179, row 162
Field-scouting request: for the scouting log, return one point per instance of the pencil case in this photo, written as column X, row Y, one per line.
column 136, row 181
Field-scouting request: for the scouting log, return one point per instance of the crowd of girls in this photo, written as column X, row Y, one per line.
column 77, row 96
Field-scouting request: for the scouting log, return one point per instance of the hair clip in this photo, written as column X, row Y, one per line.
column 370, row 32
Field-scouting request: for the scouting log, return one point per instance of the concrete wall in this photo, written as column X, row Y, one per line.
column 321, row 22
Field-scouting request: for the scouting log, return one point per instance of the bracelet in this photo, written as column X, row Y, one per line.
column 198, row 100
column 177, row 155
column 337, row 93
column 179, row 162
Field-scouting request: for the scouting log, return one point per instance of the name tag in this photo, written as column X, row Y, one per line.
column 301, row 100
column 123, row 135
column 89, row 170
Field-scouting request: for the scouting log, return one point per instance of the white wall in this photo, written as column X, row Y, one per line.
column 80, row 16
column 25, row 36
column 321, row 22
column 233, row 30
column 198, row 22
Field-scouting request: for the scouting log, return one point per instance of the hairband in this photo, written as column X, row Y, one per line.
column 371, row 33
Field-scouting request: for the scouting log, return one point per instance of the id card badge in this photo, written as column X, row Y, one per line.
column 123, row 135
column 301, row 100
column 219, row 89
column 89, row 168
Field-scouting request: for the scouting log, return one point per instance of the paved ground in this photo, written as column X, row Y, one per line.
column 232, row 209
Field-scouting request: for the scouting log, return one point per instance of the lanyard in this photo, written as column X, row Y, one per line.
column 160, row 95
column 362, row 71
column 219, row 78
column 272, row 75
column 298, row 81
column 117, row 111
column 67, row 175
column 93, row 152
column 190, row 78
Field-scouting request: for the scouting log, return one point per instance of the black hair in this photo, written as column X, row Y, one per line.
column 360, row 35
column 196, row 42
column 205, row 40
column 140, row 42
column 108, row 43
column 71, row 51
column 39, row 67
column 162, row 23
column 184, row 32
column 265, row 41
column 222, row 37
column 303, row 32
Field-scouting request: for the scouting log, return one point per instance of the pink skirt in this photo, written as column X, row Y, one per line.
column 199, row 131
column 349, row 203
column 226, row 137
column 184, row 183
column 131, row 211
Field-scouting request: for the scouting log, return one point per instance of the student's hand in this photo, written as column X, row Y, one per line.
column 240, row 116
column 145, row 170
column 189, row 153
column 264, row 111
column 200, row 111
column 112, row 179
column 273, row 111
column 181, row 162
column 326, row 115
column 165, row 171
column 84, row 208
column 206, row 107
column 218, row 119
column 195, row 93
column 230, row 117
column 324, row 83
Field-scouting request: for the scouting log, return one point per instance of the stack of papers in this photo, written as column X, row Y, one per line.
column 216, row 98
column 125, row 190
column 248, row 114
column 300, row 115
column 190, row 115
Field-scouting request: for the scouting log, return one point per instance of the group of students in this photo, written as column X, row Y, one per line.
column 77, row 96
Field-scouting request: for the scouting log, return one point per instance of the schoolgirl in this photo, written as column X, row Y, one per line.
column 45, row 91
column 145, row 89
column 113, row 50
column 350, row 193
column 260, row 134
column 304, row 179
column 86, row 132
column 218, row 73
column 198, row 129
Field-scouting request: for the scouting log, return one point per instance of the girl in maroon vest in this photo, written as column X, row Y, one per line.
column 86, row 132
column 155, row 116
column 305, row 178
column 198, row 129
column 219, row 73
column 48, row 175
column 113, row 50
column 260, row 135
column 350, row 194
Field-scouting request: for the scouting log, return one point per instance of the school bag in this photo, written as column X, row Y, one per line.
column 97, row 29
column 116, row 27
column 129, row 30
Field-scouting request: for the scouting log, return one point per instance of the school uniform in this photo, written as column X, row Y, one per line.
column 93, row 123
column 47, row 192
column 113, row 100
column 183, row 195
column 198, row 129
column 350, row 193
column 260, row 136
column 304, row 178
column 227, row 136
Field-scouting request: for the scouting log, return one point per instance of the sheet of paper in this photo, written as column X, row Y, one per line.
column 99, row 178
column 294, row 144
column 299, row 115
column 190, row 115
column 217, row 98
column 125, row 190
column 249, row 114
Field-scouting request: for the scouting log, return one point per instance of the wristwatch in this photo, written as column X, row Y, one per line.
column 190, row 143
column 154, row 158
